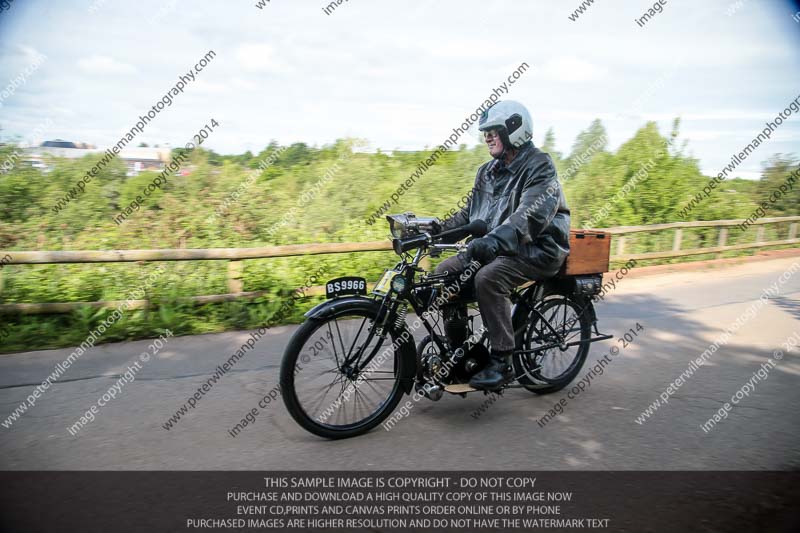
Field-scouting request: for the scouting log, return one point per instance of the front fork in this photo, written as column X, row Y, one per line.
column 388, row 318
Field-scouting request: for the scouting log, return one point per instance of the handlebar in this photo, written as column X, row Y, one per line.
column 404, row 245
column 457, row 247
column 401, row 246
column 475, row 228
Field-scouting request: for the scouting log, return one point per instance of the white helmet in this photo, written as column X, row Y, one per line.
column 513, row 120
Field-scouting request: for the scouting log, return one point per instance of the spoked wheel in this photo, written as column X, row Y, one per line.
column 338, row 377
column 553, row 368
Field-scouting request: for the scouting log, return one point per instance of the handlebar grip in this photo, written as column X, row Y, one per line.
column 476, row 228
column 409, row 243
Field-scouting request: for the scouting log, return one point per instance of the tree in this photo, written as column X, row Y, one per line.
column 777, row 171
column 587, row 145
column 549, row 146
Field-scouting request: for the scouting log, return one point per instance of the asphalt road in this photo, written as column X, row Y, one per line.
column 681, row 312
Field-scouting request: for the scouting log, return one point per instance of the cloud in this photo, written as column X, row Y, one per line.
column 738, row 173
column 257, row 57
column 722, row 114
column 570, row 69
column 19, row 57
column 469, row 49
column 98, row 64
column 207, row 87
column 706, row 135
column 421, row 70
column 243, row 84
column 30, row 53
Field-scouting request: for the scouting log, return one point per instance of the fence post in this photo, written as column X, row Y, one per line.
column 676, row 244
column 235, row 269
column 760, row 233
column 621, row 245
column 723, row 239
column 793, row 230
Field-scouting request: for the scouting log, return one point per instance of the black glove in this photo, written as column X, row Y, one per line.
column 483, row 250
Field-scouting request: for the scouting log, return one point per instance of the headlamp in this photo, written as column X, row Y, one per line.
column 399, row 284
column 406, row 224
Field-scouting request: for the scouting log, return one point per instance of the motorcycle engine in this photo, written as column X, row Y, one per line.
column 455, row 325
column 472, row 363
column 432, row 364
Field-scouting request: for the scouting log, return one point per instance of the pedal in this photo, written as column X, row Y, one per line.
column 459, row 388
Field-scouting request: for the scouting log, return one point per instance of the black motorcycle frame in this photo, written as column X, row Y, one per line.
column 390, row 310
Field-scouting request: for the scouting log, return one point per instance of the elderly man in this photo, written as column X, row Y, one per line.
column 519, row 197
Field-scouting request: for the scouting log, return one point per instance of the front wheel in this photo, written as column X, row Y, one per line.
column 339, row 378
column 560, row 321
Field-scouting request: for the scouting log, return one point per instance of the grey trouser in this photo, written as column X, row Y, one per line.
column 493, row 285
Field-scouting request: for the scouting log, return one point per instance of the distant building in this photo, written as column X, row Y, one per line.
column 135, row 159
column 58, row 143
column 143, row 159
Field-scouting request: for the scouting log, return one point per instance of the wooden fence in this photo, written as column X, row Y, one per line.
column 235, row 256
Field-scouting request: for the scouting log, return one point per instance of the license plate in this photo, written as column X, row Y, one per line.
column 345, row 286
column 385, row 283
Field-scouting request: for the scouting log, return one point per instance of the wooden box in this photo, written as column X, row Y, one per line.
column 589, row 252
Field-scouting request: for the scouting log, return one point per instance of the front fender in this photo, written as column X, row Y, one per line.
column 329, row 307
column 402, row 337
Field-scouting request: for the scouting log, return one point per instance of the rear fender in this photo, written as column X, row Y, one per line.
column 587, row 304
column 523, row 305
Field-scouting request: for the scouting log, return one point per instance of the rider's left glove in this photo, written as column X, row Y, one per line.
column 484, row 249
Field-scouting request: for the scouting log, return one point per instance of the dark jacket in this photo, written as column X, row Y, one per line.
column 524, row 207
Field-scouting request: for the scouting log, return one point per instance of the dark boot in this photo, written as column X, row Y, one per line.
column 496, row 374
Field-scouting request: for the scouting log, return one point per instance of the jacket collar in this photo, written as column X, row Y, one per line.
column 523, row 154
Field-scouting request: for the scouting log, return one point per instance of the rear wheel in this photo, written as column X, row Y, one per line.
column 338, row 378
column 560, row 321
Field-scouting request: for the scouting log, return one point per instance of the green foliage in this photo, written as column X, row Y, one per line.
column 307, row 195
column 549, row 146
column 776, row 173
column 590, row 141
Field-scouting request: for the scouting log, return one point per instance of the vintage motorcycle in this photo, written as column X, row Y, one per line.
column 348, row 365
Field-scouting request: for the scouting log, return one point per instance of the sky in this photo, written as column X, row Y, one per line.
column 400, row 75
